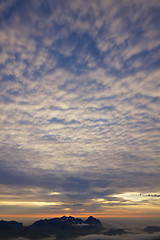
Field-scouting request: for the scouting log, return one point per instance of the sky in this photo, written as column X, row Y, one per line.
column 80, row 108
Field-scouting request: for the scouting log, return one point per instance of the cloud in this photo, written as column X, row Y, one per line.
column 126, row 236
column 30, row 189
column 80, row 98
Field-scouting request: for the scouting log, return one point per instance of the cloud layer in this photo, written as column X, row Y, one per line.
column 80, row 103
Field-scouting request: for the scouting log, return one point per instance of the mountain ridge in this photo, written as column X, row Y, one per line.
column 62, row 228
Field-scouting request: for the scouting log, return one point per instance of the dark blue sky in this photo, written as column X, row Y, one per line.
column 80, row 115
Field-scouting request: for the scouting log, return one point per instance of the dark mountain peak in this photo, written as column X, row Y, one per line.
column 10, row 224
column 64, row 218
column 72, row 220
column 91, row 217
column 10, row 229
column 93, row 221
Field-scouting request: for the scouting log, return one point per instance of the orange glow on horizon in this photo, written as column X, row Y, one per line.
column 75, row 215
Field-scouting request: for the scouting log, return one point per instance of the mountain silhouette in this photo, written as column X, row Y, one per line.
column 62, row 228
column 93, row 221
column 67, row 222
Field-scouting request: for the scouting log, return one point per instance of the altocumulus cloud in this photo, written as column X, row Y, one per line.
column 80, row 100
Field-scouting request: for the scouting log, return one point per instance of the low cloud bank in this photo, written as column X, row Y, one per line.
column 154, row 236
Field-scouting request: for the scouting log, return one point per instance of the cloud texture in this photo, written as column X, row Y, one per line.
column 80, row 96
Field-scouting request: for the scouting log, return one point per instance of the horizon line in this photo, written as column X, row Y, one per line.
column 75, row 215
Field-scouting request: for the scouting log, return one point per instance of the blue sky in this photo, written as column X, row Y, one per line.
column 80, row 115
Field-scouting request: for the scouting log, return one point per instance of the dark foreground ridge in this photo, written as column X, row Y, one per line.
column 62, row 228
